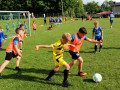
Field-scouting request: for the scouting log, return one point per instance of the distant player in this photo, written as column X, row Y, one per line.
column 77, row 40
column 1, row 37
column 25, row 26
column 111, row 19
column 22, row 36
column 97, row 31
column 13, row 25
column 7, row 27
column 34, row 27
column 19, row 24
column 12, row 51
column 58, row 48
column 60, row 20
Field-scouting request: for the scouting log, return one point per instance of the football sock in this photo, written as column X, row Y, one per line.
column 51, row 74
column 100, row 46
column 95, row 47
column 65, row 75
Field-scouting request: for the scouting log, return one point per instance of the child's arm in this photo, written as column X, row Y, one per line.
column 18, row 51
column 94, row 41
column 67, row 46
column 43, row 46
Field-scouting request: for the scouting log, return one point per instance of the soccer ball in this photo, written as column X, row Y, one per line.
column 97, row 77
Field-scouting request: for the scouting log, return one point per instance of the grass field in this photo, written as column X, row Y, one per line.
column 36, row 65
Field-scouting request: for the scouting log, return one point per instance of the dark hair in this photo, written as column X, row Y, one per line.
column 0, row 27
column 17, row 30
column 21, row 25
column 83, row 30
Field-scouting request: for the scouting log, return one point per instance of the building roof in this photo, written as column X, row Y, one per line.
column 106, row 12
column 116, row 4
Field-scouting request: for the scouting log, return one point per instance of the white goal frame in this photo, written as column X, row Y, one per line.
column 28, row 13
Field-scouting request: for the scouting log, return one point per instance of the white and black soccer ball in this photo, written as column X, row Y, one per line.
column 97, row 77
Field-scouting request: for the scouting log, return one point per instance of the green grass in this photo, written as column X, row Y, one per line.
column 36, row 65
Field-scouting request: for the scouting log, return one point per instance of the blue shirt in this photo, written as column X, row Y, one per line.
column 97, row 32
column 7, row 26
column 25, row 25
column 13, row 25
column 19, row 24
column 111, row 18
column 1, row 36
column 73, row 37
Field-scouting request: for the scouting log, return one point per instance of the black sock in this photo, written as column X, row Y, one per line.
column 51, row 74
column 100, row 46
column 65, row 75
column 95, row 47
column 0, row 74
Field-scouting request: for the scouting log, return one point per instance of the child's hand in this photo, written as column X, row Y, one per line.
column 20, row 54
column 101, row 41
column 36, row 47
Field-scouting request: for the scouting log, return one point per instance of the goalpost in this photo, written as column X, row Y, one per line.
column 7, row 18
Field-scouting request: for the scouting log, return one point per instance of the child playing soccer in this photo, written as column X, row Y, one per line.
column 22, row 36
column 98, row 35
column 34, row 27
column 7, row 27
column 58, row 48
column 13, row 26
column 77, row 40
column 12, row 51
column 111, row 19
column 1, row 37
column 25, row 26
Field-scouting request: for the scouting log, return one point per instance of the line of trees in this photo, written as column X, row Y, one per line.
column 71, row 8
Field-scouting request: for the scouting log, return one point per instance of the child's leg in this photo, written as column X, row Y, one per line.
column 95, row 48
column 20, row 46
column 66, row 71
column 0, row 45
column 6, row 62
column 73, row 63
column 80, row 73
column 18, row 61
column 100, row 47
column 56, row 68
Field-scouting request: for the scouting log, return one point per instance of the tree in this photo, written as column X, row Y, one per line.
column 92, row 7
column 107, row 5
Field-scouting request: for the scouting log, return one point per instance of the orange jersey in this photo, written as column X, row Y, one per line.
column 77, row 44
column 34, row 25
column 11, row 45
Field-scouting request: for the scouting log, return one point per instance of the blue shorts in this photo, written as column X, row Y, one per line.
column 98, row 38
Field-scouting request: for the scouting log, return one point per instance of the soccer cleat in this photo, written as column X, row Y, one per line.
column 95, row 52
column 49, row 80
column 66, row 84
column 82, row 74
column 17, row 68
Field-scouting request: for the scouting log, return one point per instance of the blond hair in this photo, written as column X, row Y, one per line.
column 96, row 22
column 66, row 36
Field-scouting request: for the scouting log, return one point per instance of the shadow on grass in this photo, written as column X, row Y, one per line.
column 19, row 76
column 89, row 80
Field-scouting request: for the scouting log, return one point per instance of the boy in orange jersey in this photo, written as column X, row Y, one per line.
column 22, row 36
column 12, row 51
column 77, row 40
column 34, row 27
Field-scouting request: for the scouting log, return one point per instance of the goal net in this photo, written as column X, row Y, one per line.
column 10, row 20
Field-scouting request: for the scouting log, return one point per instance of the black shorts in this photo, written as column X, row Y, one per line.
column 34, row 29
column 44, row 21
column 111, row 21
column 74, row 55
column 98, row 39
column 10, row 55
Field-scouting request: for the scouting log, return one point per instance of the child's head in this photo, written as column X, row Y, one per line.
column 66, row 37
column 22, row 26
column 24, row 21
column 96, row 23
column 82, row 32
column 33, row 21
column 0, row 29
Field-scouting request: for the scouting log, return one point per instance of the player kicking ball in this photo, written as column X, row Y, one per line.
column 58, row 48
column 77, row 40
